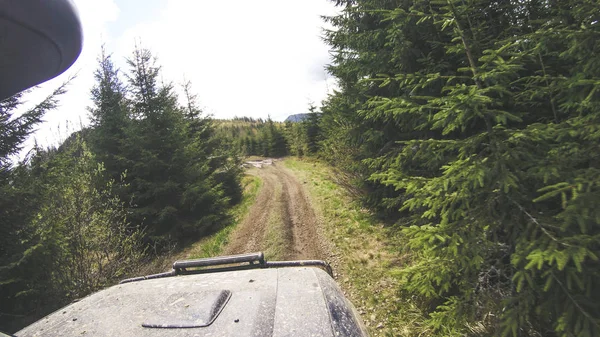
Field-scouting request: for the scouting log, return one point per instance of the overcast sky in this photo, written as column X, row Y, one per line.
column 244, row 58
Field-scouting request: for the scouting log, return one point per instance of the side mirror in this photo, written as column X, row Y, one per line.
column 39, row 40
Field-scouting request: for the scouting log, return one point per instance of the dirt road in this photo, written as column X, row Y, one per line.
column 282, row 221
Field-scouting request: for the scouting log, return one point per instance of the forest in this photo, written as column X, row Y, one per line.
column 474, row 125
column 256, row 137
column 146, row 175
column 471, row 126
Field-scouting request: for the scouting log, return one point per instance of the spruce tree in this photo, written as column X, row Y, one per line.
column 312, row 130
column 480, row 122
column 154, row 150
column 19, row 199
column 109, row 116
column 170, row 155
column 210, row 182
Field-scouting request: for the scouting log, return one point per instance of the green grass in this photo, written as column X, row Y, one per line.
column 275, row 243
column 213, row 245
column 368, row 254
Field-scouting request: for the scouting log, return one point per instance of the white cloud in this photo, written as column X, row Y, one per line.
column 244, row 58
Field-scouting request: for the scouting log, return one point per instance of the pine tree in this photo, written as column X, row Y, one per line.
column 74, row 234
column 211, row 182
column 172, row 158
column 154, row 150
column 81, row 235
column 275, row 144
column 480, row 118
column 15, row 130
column 19, row 197
column 109, row 116
column 295, row 135
column 313, row 130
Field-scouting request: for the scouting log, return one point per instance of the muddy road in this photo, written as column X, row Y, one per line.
column 282, row 222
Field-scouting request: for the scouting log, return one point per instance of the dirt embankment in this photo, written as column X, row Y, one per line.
column 282, row 208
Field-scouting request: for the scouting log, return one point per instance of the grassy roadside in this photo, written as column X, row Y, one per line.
column 213, row 245
column 366, row 253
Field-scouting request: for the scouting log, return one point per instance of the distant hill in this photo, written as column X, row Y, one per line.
column 297, row 118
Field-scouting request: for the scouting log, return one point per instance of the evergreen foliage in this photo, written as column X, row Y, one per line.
column 252, row 137
column 75, row 219
column 296, row 138
column 19, row 194
column 180, row 179
column 80, row 234
column 303, row 137
column 478, row 120
column 473, row 125
column 109, row 116
column 70, row 233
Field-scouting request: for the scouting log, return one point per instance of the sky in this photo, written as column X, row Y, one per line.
column 244, row 58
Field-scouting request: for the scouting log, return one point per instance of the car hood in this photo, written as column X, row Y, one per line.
column 302, row 301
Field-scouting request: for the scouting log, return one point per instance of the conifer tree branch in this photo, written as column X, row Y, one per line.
column 463, row 38
column 471, row 59
column 585, row 313
column 534, row 220
column 552, row 105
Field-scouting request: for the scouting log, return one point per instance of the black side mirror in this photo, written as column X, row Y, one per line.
column 39, row 40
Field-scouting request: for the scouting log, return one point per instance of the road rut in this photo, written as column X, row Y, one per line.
column 282, row 200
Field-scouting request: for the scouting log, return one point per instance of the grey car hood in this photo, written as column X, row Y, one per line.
column 301, row 301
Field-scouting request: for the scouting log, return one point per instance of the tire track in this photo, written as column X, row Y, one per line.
column 282, row 197
column 249, row 235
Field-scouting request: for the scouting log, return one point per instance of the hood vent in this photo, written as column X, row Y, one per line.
column 188, row 310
